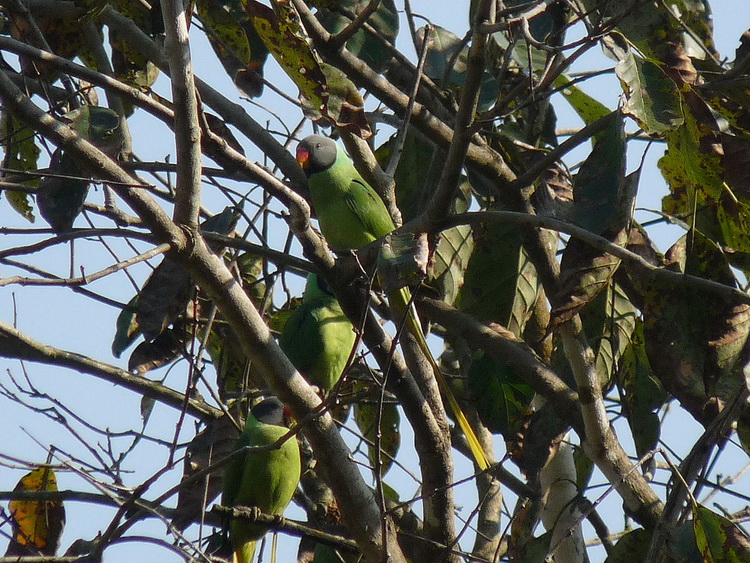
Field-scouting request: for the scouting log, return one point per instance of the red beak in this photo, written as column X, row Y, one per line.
column 303, row 158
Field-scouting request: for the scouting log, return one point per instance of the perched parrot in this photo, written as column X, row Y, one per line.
column 352, row 215
column 318, row 337
column 61, row 197
column 265, row 479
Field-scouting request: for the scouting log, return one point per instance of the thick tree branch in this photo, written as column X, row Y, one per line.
column 353, row 495
column 186, row 127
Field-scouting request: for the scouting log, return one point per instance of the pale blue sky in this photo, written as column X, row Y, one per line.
column 63, row 319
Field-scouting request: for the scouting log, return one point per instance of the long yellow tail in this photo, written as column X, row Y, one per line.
column 401, row 301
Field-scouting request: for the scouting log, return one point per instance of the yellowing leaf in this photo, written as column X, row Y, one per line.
column 718, row 538
column 329, row 94
column 37, row 525
column 21, row 153
column 281, row 31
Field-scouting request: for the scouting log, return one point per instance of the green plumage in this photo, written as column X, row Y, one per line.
column 318, row 337
column 351, row 215
column 265, row 479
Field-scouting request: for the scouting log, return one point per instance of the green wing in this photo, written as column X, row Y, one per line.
column 264, row 479
column 318, row 337
column 366, row 204
column 350, row 212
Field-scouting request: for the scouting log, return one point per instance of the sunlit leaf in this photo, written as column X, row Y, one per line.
column 651, row 96
column 588, row 108
column 21, row 154
column 282, row 33
column 719, row 539
column 37, row 525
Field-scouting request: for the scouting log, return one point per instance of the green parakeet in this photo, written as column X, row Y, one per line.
column 61, row 199
column 318, row 337
column 265, row 479
column 352, row 215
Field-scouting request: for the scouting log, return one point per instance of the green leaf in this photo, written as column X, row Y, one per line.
column 652, row 98
column 328, row 92
column 127, row 328
column 21, row 154
column 643, row 394
column 588, row 109
column 367, row 46
column 415, row 180
column 743, row 430
column 235, row 42
column 365, row 415
column 719, row 539
column 501, row 283
column 345, row 106
column 251, row 268
column 693, row 163
column 130, row 64
column 631, row 547
column 600, row 182
column 446, row 64
column 501, row 397
column 454, row 249
column 610, row 322
column 283, row 35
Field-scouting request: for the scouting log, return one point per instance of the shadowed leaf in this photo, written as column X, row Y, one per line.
column 600, row 184
column 213, row 443
column 236, row 43
column 501, row 397
column 365, row 415
column 163, row 350
column 500, row 284
column 127, row 328
column 644, row 394
column 366, row 45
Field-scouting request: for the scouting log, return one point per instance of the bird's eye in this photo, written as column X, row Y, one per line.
column 318, row 145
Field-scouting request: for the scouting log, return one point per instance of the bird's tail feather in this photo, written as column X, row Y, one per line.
column 401, row 301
